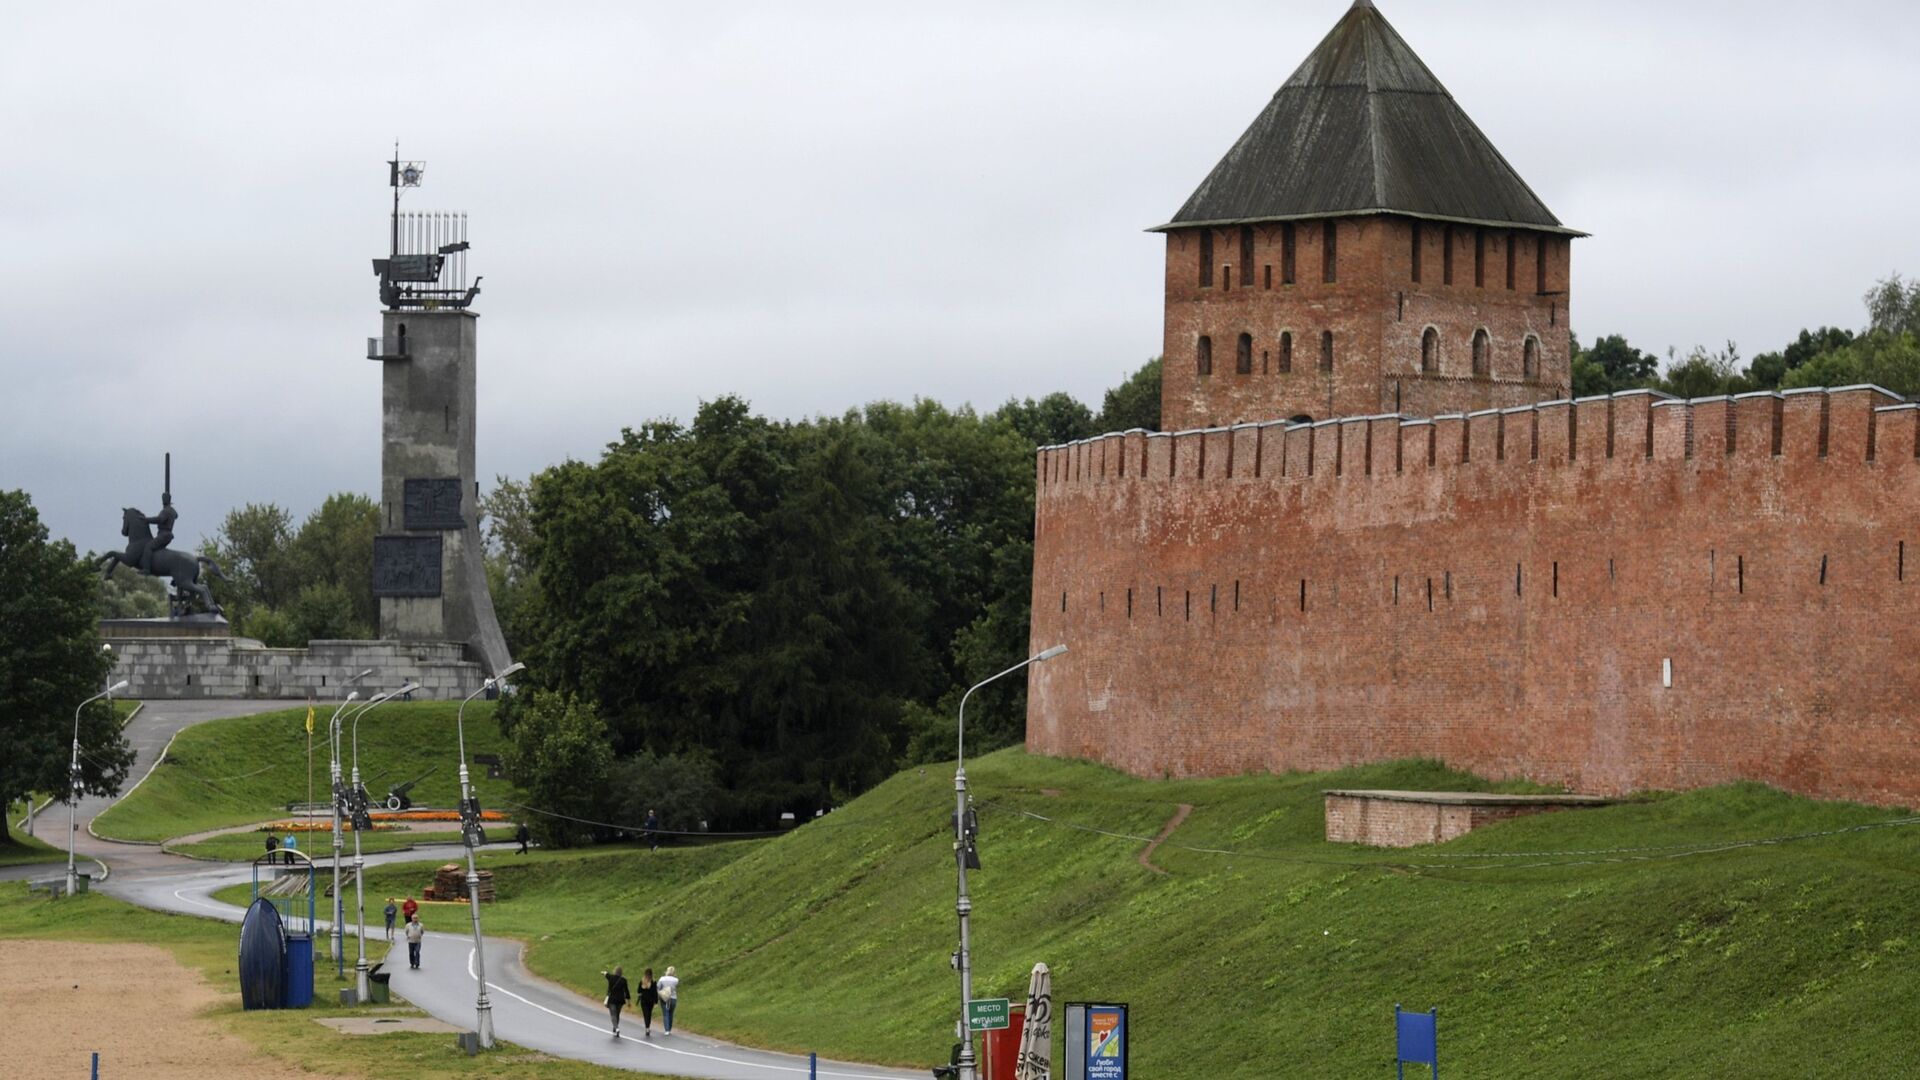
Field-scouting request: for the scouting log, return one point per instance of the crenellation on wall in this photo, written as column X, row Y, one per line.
column 1553, row 433
column 1803, row 424
column 1756, row 425
column 1898, row 428
column 1853, row 424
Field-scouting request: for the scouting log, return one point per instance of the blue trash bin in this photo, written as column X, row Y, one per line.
column 299, row 971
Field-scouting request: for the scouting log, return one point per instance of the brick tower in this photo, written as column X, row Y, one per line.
column 1362, row 249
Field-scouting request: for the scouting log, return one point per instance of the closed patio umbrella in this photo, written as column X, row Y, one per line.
column 1036, row 1039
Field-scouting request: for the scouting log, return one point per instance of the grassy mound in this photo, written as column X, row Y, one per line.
column 249, row 768
column 1275, row 953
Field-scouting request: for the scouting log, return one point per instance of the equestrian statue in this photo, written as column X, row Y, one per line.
column 154, row 556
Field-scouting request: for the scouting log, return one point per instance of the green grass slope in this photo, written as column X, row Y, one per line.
column 1276, row 953
column 248, row 768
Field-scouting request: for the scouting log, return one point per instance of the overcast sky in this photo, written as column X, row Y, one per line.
column 814, row 205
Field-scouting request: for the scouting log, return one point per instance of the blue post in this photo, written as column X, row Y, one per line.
column 813, row 1067
column 96, row 1065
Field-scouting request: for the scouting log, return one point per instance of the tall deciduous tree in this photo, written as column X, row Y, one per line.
column 50, row 661
column 558, row 752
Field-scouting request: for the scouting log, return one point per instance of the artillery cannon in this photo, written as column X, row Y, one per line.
column 398, row 797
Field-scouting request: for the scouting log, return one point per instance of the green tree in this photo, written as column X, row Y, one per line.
column 1611, row 366
column 559, row 754
column 1886, row 360
column 1135, row 403
column 684, row 789
column 1704, row 373
column 1057, row 418
column 1893, row 306
column 128, row 595
column 506, row 514
column 334, row 548
column 1768, row 369
column 50, row 661
column 251, row 548
column 324, row 612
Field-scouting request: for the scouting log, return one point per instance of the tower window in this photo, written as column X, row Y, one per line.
column 1430, row 351
column 1246, row 256
column 1540, row 267
column 1530, row 359
column 1267, row 272
column 1243, row 355
column 1446, row 256
column 1203, row 356
column 1482, row 352
column 1286, row 351
column 1326, row 350
column 1206, row 258
column 1513, row 241
column 1286, row 253
column 1329, row 250
column 1479, row 258
column 1416, row 251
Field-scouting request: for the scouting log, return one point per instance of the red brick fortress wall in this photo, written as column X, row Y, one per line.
column 1616, row 594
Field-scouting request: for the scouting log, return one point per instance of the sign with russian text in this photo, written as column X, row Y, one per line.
column 988, row 1014
column 1106, row 1037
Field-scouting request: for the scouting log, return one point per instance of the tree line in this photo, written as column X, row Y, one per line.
column 739, row 616
column 1886, row 353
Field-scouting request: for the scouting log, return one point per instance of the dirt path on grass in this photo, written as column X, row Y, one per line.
column 134, row 1004
column 1146, row 857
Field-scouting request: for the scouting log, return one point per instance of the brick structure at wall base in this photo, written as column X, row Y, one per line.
column 1411, row 818
column 1613, row 594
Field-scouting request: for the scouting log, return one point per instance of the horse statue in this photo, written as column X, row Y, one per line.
column 181, row 569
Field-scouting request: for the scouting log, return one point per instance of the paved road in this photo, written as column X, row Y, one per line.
column 527, row 1010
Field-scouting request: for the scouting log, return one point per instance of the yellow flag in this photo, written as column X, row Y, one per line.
column 309, row 719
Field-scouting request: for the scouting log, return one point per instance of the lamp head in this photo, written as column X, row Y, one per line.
column 1050, row 653
column 353, row 695
column 117, row 687
column 511, row 670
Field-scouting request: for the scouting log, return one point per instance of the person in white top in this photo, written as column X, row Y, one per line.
column 669, row 985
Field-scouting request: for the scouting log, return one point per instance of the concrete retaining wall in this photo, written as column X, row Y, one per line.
column 187, row 668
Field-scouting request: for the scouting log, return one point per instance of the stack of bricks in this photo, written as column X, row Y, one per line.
column 450, row 883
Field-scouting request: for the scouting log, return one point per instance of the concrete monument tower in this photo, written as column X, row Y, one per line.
column 428, row 568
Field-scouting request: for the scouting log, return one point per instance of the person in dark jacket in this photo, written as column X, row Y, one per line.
column 522, row 835
column 652, row 830
column 273, row 848
column 649, row 1000
column 391, row 912
column 617, row 995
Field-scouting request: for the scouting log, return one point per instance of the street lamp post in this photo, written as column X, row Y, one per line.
column 333, row 776
column 962, row 848
column 471, row 834
column 73, row 783
column 358, row 797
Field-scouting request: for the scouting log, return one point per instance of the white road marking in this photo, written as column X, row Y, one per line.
column 651, row 1045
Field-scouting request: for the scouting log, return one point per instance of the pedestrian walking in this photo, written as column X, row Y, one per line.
column 409, row 909
column 649, row 1000
column 652, row 830
column 273, row 848
column 287, row 848
column 415, row 934
column 669, row 997
column 391, row 912
column 522, row 835
column 617, row 995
